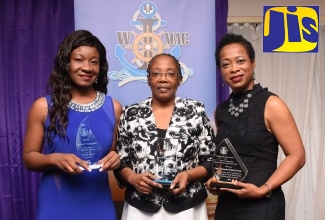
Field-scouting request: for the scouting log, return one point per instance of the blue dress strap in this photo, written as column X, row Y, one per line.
column 109, row 109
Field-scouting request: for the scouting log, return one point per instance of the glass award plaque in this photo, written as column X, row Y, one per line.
column 165, row 161
column 227, row 166
column 87, row 145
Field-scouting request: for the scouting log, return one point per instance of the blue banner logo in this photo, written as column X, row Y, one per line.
column 134, row 50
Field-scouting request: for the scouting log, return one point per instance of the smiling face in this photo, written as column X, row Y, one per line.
column 163, row 88
column 236, row 67
column 84, row 66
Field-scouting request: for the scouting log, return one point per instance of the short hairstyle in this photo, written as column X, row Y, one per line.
column 178, row 65
column 231, row 38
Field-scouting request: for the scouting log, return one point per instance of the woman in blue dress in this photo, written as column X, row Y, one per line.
column 71, row 134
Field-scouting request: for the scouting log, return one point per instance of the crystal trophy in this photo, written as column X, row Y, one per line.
column 87, row 145
column 165, row 160
column 227, row 166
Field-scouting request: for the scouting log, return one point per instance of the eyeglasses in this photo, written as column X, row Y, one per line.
column 169, row 75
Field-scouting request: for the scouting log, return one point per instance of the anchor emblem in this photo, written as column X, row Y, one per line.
column 145, row 45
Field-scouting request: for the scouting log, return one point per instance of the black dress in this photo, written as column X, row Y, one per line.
column 258, row 150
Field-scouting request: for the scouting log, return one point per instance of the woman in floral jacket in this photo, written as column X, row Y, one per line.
column 165, row 144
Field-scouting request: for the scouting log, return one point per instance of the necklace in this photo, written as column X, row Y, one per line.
column 90, row 107
column 235, row 111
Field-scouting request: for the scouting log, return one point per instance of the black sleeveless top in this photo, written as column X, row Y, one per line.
column 258, row 149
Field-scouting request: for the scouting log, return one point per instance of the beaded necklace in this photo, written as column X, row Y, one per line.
column 90, row 107
column 235, row 111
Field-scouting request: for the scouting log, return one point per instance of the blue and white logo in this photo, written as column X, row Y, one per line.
column 134, row 50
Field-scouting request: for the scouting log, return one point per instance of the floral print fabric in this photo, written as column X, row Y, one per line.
column 189, row 142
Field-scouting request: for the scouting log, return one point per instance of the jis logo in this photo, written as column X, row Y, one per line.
column 146, row 43
column 291, row 29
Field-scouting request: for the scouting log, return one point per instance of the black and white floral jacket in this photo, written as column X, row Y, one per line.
column 190, row 143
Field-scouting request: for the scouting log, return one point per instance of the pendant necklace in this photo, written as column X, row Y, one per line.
column 235, row 111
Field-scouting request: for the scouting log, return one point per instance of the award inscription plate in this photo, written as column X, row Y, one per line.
column 227, row 166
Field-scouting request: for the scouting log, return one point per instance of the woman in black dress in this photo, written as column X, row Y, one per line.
column 256, row 122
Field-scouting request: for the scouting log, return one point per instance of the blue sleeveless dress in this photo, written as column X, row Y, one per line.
column 86, row 196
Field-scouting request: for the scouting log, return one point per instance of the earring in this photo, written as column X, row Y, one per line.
column 254, row 75
column 96, row 80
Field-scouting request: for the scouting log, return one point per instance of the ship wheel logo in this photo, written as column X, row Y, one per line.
column 144, row 46
column 147, row 45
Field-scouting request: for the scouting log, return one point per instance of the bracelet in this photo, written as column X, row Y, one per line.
column 189, row 176
column 270, row 192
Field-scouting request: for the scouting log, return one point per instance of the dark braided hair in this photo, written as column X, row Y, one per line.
column 60, row 84
column 231, row 38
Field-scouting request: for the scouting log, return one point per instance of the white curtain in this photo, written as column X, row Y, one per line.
column 299, row 80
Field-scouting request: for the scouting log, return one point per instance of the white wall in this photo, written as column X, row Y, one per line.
column 252, row 10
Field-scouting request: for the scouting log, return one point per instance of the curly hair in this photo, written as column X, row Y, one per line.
column 231, row 38
column 60, row 84
column 178, row 65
